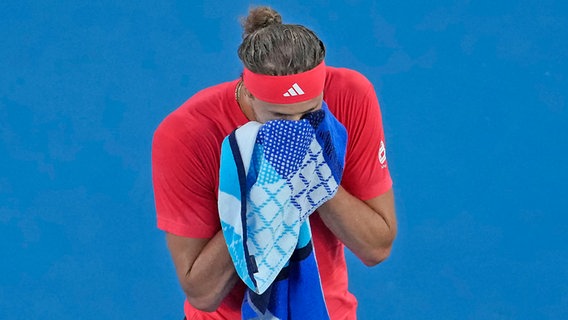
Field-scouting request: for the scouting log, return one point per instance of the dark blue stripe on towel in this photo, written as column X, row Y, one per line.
column 243, row 185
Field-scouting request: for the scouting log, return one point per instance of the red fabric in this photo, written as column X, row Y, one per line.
column 286, row 89
column 185, row 172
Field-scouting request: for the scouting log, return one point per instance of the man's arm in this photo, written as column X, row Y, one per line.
column 367, row 228
column 204, row 269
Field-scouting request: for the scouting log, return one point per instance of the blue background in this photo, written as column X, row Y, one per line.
column 473, row 96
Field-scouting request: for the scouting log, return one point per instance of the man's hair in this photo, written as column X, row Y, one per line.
column 273, row 48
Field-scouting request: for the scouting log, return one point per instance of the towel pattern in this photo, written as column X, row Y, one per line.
column 272, row 177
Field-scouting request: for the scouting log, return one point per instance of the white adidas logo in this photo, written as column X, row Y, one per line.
column 294, row 91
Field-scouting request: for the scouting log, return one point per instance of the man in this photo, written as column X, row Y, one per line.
column 186, row 156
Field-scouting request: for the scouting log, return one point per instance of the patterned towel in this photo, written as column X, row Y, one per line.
column 272, row 177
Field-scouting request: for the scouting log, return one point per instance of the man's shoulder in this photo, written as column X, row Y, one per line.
column 346, row 90
column 213, row 94
column 345, row 78
column 195, row 114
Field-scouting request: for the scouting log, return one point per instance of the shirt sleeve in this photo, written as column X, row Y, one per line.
column 366, row 172
column 183, row 181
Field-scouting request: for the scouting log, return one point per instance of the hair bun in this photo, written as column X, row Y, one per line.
column 258, row 18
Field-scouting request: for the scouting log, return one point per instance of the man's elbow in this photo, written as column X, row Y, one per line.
column 205, row 302
column 376, row 256
column 382, row 249
column 379, row 253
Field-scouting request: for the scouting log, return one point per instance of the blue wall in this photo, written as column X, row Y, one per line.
column 473, row 95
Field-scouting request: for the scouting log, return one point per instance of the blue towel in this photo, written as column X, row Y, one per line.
column 272, row 177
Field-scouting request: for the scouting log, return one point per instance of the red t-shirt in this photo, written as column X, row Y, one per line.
column 185, row 170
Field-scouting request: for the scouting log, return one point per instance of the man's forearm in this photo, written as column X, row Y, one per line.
column 368, row 232
column 212, row 275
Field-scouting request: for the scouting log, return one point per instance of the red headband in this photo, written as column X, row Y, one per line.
column 286, row 89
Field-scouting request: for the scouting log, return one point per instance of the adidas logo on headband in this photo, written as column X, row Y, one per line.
column 295, row 90
column 276, row 89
